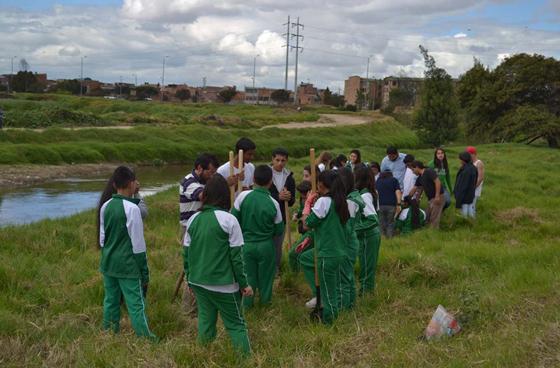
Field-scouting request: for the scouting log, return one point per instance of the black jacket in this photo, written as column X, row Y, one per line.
column 465, row 184
column 291, row 186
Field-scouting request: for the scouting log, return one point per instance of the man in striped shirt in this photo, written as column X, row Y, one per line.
column 192, row 185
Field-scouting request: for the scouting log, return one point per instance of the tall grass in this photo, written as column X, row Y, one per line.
column 498, row 274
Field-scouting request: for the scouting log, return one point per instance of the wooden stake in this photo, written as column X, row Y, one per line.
column 231, row 168
column 240, row 167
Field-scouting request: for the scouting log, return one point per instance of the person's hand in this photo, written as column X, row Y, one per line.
column 398, row 210
column 311, row 198
column 285, row 195
column 232, row 180
column 241, row 175
column 438, row 199
column 248, row 291
column 295, row 217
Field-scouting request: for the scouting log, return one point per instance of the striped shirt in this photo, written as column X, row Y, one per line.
column 189, row 194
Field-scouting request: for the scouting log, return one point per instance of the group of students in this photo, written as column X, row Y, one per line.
column 232, row 249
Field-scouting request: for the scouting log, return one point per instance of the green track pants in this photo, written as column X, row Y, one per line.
column 368, row 257
column 330, row 280
column 260, row 267
column 131, row 290
column 229, row 305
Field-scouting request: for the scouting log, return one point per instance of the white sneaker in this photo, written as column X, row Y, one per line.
column 311, row 303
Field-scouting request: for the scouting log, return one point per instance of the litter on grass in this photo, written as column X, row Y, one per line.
column 442, row 323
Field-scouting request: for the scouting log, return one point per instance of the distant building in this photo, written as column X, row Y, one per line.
column 413, row 85
column 307, row 94
column 259, row 96
column 370, row 88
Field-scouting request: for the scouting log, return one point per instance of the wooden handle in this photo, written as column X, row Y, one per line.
column 232, row 188
column 240, row 166
column 287, row 231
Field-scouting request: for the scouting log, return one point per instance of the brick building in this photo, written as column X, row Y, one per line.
column 371, row 88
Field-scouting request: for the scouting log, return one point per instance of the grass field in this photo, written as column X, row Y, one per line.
column 499, row 275
column 51, row 110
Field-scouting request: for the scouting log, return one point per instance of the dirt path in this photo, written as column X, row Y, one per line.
column 76, row 128
column 331, row 120
column 25, row 175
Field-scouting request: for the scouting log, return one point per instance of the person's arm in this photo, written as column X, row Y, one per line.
column 291, row 186
column 480, row 169
column 459, row 190
column 186, row 246
column 318, row 212
column 384, row 164
column 135, row 229
column 143, row 207
column 437, row 197
column 235, row 252
column 278, row 223
column 236, row 208
column 398, row 208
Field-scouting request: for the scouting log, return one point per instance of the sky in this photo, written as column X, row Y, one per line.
column 223, row 40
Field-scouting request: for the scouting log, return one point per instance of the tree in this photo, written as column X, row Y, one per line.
column 23, row 65
column 437, row 119
column 227, row 94
column 68, row 85
column 26, row 82
column 183, row 94
column 146, row 91
column 360, row 99
column 526, row 124
column 400, row 97
column 280, row 96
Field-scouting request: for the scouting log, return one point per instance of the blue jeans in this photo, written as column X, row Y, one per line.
column 467, row 210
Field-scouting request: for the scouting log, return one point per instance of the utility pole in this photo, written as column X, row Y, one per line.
column 120, row 86
column 135, row 79
column 255, row 68
column 162, row 80
column 367, row 83
column 82, row 74
column 287, row 34
column 11, row 76
column 298, row 49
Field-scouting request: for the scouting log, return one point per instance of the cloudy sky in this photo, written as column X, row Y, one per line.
column 219, row 39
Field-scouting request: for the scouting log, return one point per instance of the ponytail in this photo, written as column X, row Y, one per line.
column 337, row 191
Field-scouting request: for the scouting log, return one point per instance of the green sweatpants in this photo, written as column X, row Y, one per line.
column 330, row 277
column 369, row 256
column 293, row 257
column 348, row 280
column 131, row 290
column 306, row 262
column 259, row 259
column 209, row 303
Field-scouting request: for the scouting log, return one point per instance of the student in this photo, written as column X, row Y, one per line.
column 283, row 190
column 465, row 185
column 355, row 158
column 328, row 218
column 409, row 176
column 394, row 162
column 305, row 242
column 411, row 217
column 248, row 147
column 355, row 201
column 323, row 161
column 367, row 229
column 338, row 162
column 307, row 173
column 440, row 165
column 375, row 169
column 429, row 182
column 213, row 262
column 389, row 201
column 123, row 256
column 110, row 190
column 192, row 186
column 261, row 220
column 480, row 181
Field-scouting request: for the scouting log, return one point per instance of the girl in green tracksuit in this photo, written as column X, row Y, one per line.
column 213, row 265
column 411, row 217
column 123, row 255
column 367, row 228
column 328, row 218
column 356, row 206
column 261, row 220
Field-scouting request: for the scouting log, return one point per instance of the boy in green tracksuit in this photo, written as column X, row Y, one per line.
column 305, row 242
column 213, row 265
column 123, row 256
column 367, row 228
column 328, row 218
column 356, row 206
column 261, row 220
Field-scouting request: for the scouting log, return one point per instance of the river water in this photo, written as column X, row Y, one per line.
column 69, row 196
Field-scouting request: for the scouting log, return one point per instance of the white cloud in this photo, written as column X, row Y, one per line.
column 460, row 35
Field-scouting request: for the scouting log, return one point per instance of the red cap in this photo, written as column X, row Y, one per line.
column 471, row 150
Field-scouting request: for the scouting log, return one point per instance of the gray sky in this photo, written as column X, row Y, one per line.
column 219, row 39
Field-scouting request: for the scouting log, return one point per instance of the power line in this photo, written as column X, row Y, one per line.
column 298, row 49
column 287, row 34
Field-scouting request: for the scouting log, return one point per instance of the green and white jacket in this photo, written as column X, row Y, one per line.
column 259, row 215
column 212, row 255
column 368, row 223
column 356, row 207
column 121, row 237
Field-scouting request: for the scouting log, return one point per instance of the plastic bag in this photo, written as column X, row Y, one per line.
column 442, row 323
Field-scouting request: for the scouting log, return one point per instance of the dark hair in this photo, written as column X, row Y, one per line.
column 385, row 174
column 347, row 178
column 205, row 160
column 415, row 208
column 365, row 180
column 408, row 158
column 280, row 152
column 375, row 164
column 304, row 187
column 263, row 175
column 120, row 178
column 465, row 156
column 358, row 154
column 216, row 193
column 418, row 164
column 324, row 157
column 245, row 144
column 340, row 160
column 443, row 163
column 392, row 150
column 333, row 182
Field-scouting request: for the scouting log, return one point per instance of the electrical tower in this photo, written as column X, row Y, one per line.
column 287, row 34
column 298, row 49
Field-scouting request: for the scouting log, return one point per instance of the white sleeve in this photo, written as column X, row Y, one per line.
column 230, row 225
column 240, row 198
column 249, row 175
column 223, row 170
column 102, row 224
column 187, row 238
column 135, row 227
column 278, row 217
column 352, row 208
column 321, row 207
column 369, row 209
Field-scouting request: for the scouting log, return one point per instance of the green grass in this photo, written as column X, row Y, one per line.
column 180, row 144
column 50, row 110
column 499, row 275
